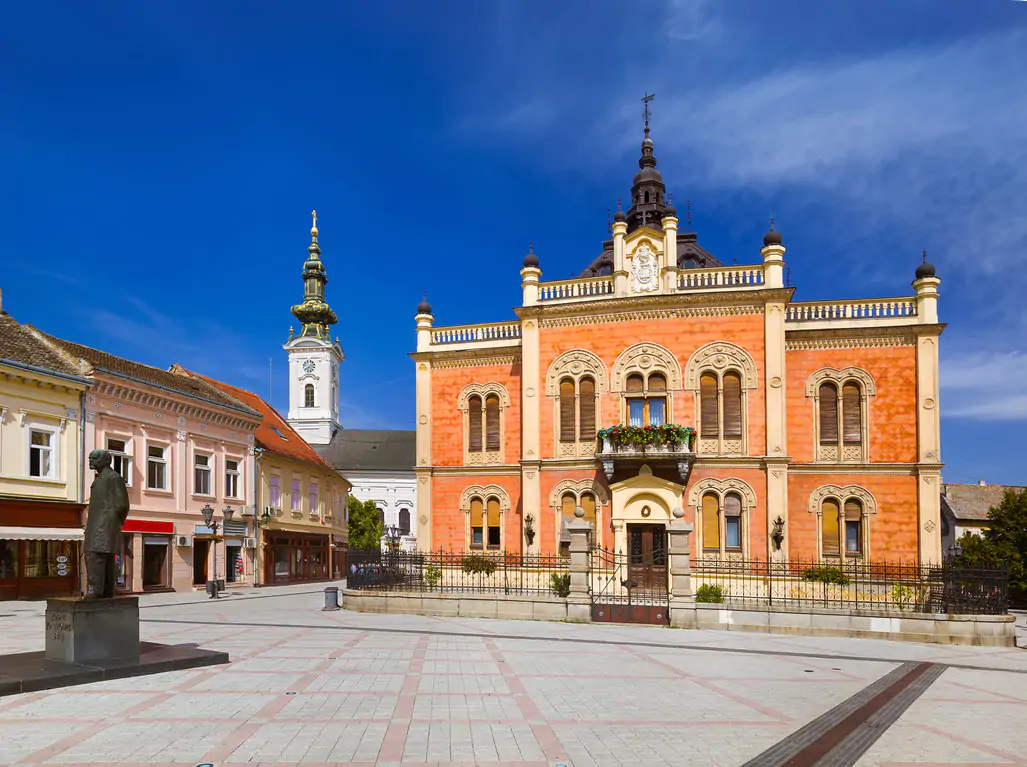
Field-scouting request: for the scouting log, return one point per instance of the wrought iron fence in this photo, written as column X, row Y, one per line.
column 883, row 586
column 483, row 571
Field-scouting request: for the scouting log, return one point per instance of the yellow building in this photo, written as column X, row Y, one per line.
column 300, row 503
column 41, row 465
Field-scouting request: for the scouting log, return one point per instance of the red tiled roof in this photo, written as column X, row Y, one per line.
column 24, row 345
column 274, row 434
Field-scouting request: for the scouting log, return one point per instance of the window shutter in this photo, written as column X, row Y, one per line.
column 710, row 522
column 587, row 407
column 732, row 405
column 492, row 423
column 828, row 414
column 588, row 503
column 852, row 421
column 657, row 383
column 567, row 410
column 853, row 510
column 732, row 505
column 709, row 410
column 476, row 512
column 829, row 526
column 634, row 383
column 493, row 512
column 474, row 424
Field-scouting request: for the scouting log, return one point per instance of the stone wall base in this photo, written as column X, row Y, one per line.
column 981, row 630
column 538, row 607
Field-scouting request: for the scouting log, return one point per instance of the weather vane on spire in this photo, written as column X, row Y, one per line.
column 645, row 100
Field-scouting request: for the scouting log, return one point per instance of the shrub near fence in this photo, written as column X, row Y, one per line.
column 876, row 586
column 458, row 572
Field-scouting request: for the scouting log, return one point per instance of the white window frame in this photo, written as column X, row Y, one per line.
column 50, row 449
column 209, row 469
column 296, row 496
column 274, row 503
column 235, row 475
column 314, row 499
column 162, row 461
column 124, row 456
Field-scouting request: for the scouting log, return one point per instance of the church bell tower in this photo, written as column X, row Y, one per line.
column 313, row 357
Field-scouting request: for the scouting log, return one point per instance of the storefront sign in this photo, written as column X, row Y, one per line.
column 62, row 565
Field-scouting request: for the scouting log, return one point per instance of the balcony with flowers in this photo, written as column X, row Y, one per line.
column 634, row 445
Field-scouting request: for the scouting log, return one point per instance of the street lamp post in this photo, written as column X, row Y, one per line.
column 208, row 519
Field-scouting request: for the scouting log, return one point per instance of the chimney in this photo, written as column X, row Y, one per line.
column 981, row 483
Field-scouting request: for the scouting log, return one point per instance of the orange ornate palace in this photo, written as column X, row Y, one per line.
column 812, row 432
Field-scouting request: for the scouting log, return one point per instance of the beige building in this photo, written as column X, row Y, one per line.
column 301, row 502
column 41, row 465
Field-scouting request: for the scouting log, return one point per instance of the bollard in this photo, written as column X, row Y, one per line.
column 331, row 599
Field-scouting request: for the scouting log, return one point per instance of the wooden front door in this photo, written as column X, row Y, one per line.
column 647, row 557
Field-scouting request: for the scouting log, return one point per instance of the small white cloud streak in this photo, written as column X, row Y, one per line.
column 985, row 386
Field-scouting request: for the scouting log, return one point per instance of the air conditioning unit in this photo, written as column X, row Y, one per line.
column 247, row 511
column 249, row 543
column 184, row 541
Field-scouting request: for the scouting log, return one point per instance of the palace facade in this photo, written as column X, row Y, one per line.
column 816, row 429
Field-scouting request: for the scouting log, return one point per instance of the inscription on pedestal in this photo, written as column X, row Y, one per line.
column 82, row 630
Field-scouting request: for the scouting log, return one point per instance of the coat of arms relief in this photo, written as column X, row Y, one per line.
column 645, row 270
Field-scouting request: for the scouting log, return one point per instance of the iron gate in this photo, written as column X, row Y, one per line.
column 631, row 587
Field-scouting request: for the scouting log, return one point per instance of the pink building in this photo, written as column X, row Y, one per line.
column 180, row 444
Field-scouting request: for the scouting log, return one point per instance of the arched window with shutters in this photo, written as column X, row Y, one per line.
column 840, row 401
column 493, row 515
column 709, row 416
column 477, row 523
column 564, row 497
column 733, row 522
column 711, row 522
column 568, row 429
column 308, row 395
column 721, row 413
column 492, row 423
column 568, row 501
column 483, row 406
column 722, row 507
column 829, row 534
column 842, row 528
column 587, row 410
column 853, row 532
column 574, row 381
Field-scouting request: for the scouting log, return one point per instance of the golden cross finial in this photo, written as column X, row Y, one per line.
column 313, row 229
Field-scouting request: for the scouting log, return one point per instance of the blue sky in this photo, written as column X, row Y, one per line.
column 160, row 161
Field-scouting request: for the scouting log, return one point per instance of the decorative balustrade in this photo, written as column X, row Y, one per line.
column 725, row 277
column 585, row 288
column 496, row 331
column 884, row 308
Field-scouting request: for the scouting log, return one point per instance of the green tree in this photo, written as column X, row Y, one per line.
column 1003, row 542
column 365, row 525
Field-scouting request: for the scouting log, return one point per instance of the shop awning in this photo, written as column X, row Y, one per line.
column 42, row 533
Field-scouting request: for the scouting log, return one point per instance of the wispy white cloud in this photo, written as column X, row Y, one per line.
column 985, row 386
column 693, row 21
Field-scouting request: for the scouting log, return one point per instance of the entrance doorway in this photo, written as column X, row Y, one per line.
column 647, row 557
column 201, row 551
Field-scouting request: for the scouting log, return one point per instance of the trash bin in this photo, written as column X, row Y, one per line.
column 331, row 599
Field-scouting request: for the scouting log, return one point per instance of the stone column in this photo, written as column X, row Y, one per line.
column 928, row 422
column 579, row 604
column 422, row 436
column 620, row 273
column 679, row 571
column 669, row 272
column 531, row 441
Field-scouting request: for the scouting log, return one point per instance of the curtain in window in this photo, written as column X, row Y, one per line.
column 709, row 410
column 474, row 424
column 492, row 423
column 587, row 409
column 732, row 405
column 710, row 521
column 828, row 414
column 477, row 522
column 657, row 400
column 492, row 512
column 732, row 521
column 852, row 426
column 567, row 410
column 829, row 526
column 853, row 526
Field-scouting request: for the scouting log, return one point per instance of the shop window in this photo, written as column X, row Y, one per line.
column 121, row 461
column 156, row 562
column 41, row 458
column 201, row 474
column 8, row 560
column 49, row 559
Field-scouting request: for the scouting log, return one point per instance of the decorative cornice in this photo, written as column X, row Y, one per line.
column 829, row 469
column 494, row 470
column 645, row 357
column 569, row 464
column 575, row 363
column 469, row 358
column 849, row 338
column 146, row 399
column 721, row 356
column 649, row 314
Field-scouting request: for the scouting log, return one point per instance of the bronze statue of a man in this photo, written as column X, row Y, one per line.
column 108, row 508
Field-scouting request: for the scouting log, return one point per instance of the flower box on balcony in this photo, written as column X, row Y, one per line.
column 647, row 440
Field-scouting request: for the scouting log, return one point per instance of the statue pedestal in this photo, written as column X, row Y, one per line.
column 81, row 630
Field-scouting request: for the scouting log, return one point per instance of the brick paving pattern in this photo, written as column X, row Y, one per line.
column 313, row 688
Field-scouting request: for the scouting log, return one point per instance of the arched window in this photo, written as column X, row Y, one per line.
column 689, row 263
column 829, row 527
column 474, row 441
column 828, row 414
column 492, row 422
column 605, row 269
column 646, row 399
column 477, row 523
column 852, row 416
column 567, row 430
column 586, row 409
column 732, row 405
column 308, row 395
column 493, row 518
column 588, row 503
column 568, row 501
column 710, row 522
column 853, row 528
column 404, row 521
column 840, row 413
column 709, row 415
column 733, row 522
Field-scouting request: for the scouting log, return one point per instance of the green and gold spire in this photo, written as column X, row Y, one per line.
column 314, row 313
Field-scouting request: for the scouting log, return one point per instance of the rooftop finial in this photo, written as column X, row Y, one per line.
column 645, row 100
column 531, row 246
column 925, row 255
column 609, row 222
column 313, row 228
column 771, row 223
column 688, row 213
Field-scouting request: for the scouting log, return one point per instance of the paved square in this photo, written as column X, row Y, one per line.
column 315, row 688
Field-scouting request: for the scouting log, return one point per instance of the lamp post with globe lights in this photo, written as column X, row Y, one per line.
column 209, row 521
